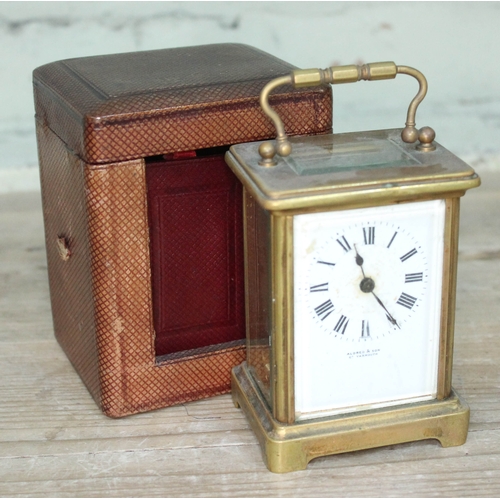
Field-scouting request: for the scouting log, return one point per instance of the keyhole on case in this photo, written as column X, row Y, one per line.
column 367, row 285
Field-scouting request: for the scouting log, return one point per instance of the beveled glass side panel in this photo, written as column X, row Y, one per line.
column 257, row 291
column 320, row 155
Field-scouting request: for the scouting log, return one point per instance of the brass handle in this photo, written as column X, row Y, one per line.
column 343, row 74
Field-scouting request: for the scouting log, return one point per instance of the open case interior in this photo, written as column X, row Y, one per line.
column 196, row 246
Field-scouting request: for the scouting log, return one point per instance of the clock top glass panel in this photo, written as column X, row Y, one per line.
column 335, row 163
column 321, row 155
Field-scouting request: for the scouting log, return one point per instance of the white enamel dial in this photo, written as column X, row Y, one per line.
column 367, row 296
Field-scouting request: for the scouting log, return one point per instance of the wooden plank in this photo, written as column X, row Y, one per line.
column 55, row 442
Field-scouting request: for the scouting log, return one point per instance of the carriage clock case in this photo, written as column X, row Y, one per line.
column 142, row 216
column 351, row 244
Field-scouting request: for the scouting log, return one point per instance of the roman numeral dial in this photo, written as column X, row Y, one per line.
column 325, row 263
column 322, row 287
column 413, row 277
column 344, row 244
column 324, row 310
column 341, row 325
column 407, row 255
column 406, row 300
column 367, row 306
column 369, row 235
column 365, row 329
column 366, row 281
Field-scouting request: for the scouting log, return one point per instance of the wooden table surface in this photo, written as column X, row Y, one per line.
column 55, row 442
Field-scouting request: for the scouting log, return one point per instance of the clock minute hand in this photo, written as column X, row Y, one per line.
column 389, row 316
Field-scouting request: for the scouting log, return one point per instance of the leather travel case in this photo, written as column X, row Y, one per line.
column 143, row 219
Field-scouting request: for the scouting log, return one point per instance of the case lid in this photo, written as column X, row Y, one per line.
column 124, row 106
column 349, row 169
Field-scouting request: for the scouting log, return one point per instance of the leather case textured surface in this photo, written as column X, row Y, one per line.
column 143, row 219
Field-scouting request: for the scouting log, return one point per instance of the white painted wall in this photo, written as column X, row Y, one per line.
column 456, row 45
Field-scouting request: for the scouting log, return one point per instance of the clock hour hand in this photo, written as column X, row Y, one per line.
column 359, row 261
column 367, row 285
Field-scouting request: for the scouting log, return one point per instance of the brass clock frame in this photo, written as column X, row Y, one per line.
column 263, row 386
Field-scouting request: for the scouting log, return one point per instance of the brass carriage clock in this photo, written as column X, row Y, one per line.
column 351, row 252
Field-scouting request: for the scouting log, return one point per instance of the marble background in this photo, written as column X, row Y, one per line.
column 456, row 45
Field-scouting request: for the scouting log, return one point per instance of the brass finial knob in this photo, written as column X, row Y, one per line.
column 284, row 148
column 426, row 135
column 267, row 152
column 409, row 134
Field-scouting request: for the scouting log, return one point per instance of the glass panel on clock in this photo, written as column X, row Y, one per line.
column 258, row 296
column 367, row 289
column 328, row 154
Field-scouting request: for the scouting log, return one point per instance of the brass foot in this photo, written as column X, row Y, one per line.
column 290, row 447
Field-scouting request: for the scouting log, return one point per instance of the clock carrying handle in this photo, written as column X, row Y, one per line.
column 343, row 74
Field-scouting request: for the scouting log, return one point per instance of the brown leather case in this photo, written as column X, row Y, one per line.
column 143, row 218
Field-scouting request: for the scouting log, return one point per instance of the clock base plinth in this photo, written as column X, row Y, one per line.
column 289, row 448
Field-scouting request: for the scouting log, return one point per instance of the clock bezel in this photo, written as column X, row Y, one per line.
column 282, row 308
